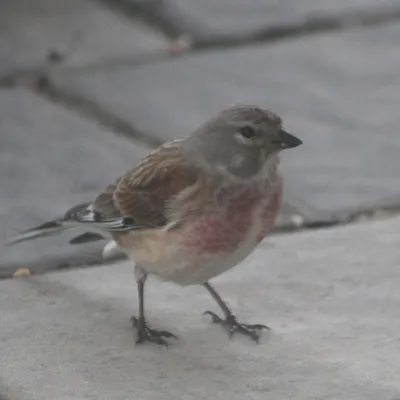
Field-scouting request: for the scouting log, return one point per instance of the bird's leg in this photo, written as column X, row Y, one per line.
column 230, row 321
column 144, row 332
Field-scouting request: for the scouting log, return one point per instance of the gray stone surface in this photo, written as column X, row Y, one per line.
column 338, row 92
column 50, row 160
column 218, row 19
column 83, row 31
column 331, row 298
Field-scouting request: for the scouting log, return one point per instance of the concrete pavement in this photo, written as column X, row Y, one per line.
column 82, row 33
column 330, row 296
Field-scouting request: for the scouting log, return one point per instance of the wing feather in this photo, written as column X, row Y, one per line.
column 139, row 199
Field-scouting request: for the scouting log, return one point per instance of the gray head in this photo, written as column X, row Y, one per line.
column 240, row 141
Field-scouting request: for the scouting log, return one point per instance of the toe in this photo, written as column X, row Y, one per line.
column 146, row 334
column 257, row 327
column 214, row 317
column 167, row 334
column 134, row 321
column 151, row 336
column 160, row 341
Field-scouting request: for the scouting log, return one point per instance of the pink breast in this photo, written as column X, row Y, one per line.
column 215, row 234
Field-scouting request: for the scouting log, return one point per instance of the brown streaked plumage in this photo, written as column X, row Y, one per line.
column 143, row 193
column 193, row 208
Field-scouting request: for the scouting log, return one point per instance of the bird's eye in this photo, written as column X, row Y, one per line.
column 247, row 132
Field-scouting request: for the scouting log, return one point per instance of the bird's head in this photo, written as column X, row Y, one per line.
column 240, row 141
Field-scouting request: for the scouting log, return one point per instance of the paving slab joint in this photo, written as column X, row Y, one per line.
column 92, row 110
column 173, row 24
column 164, row 19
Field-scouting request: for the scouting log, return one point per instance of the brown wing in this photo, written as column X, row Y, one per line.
column 139, row 198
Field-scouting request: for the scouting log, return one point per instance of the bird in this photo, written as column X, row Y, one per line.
column 191, row 209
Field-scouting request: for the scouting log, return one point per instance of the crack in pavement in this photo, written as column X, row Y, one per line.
column 169, row 21
column 90, row 109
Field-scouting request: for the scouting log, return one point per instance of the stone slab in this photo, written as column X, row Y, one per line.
column 84, row 32
column 209, row 20
column 331, row 298
column 338, row 92
column 50, row 160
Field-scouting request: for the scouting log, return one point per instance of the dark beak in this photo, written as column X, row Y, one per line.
column 286, row 140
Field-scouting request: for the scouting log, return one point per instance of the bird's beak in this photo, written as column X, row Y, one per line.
column 286, row 140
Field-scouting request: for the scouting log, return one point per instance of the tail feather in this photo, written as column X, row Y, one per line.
column 46, row 229
column 82, row 215
column 77, row 212
column 52, row 227
column 86, row 237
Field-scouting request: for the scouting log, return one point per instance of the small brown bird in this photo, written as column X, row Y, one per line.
column 194, row 207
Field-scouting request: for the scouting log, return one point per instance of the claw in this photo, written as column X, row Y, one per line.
column 214, row 317
column 147, row 334
column 233, row 326
column 167, row 334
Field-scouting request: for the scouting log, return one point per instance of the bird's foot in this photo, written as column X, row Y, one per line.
column 147, row 334
column 233, row 326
